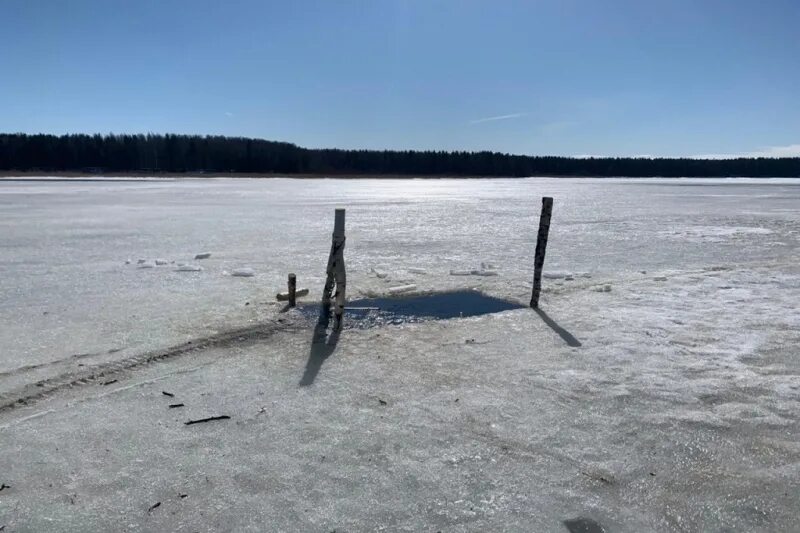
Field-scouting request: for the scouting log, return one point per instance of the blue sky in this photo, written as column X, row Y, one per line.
column 568, row 77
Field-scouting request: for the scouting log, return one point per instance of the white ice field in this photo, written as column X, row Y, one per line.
column 678, row 411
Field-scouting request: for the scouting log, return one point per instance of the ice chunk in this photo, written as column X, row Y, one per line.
column 473, row 273
column 402, row 288
column 243, row 273
column 483, row 273
column 555, row 274
column 660, row 278
column 380, row 273
column 203, row 255
column 716, row 234
column 147, row 264
column 188, row 268
column 563, row 274
column 417, row 271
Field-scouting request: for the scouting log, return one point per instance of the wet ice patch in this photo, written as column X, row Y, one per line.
column 373, row 312
column 583, row 525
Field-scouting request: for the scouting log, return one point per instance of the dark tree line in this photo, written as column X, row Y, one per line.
column 195, row 153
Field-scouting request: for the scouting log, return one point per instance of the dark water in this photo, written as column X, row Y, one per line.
column 372, row 312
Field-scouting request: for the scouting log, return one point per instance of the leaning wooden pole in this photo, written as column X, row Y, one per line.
column 335, row 277
column 541, row 246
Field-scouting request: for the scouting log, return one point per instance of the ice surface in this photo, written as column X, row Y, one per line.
column 656, row 406
column 659, row 407
column 64, row 290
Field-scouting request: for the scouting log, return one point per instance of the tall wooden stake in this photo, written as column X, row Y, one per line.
column 292, row 290
column 541, row 246
column 335, row 276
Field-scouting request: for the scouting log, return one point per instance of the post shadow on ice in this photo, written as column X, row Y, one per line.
column 568, row 337
column 322, row 346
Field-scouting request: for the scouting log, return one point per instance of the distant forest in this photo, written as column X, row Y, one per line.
column 197, row 154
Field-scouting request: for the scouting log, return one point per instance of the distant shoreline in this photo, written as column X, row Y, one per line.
column 195, row 156
column 12, row 175
column 88, row 176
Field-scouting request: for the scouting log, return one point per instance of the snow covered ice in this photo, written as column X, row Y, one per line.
column 668, row 402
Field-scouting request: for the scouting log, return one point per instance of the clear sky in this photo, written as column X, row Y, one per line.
column 562, row 77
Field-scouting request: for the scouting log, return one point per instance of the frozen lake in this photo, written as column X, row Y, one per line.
column 67, row 296
column 656, row 390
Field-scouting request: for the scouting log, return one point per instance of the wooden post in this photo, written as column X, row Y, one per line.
column 292, row 290
column 335, row 276
column 339, row 271
column 541, row 245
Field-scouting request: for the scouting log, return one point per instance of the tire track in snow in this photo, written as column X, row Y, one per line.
column 30, row 393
